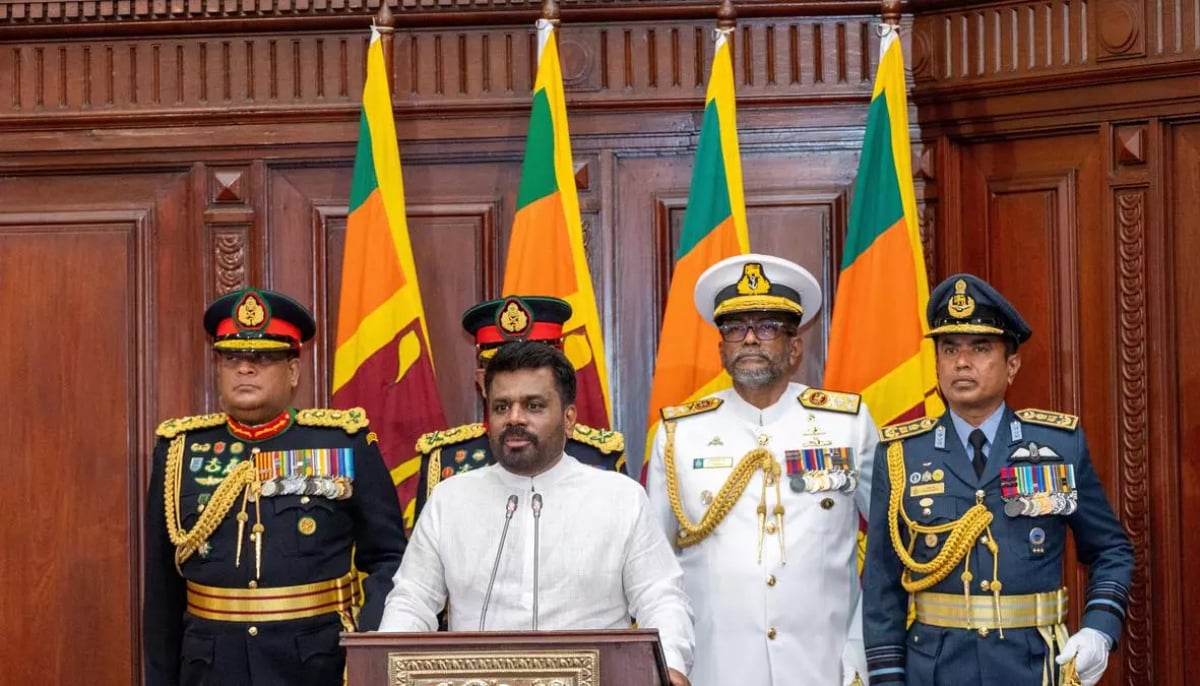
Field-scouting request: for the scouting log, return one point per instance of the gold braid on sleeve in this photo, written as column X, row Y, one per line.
column 223, row 499
column 963, row 532
column 690, row 533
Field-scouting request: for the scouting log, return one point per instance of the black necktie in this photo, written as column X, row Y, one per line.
column 978, row 459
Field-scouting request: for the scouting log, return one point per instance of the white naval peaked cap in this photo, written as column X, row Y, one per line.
column 757, row 283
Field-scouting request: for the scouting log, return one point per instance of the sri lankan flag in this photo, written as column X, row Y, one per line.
column 545, row 253
column 876, row 342
column 383, row 361
column 688, row 366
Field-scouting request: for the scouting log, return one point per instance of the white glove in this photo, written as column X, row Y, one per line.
column 854, row 663
column 1090, row 650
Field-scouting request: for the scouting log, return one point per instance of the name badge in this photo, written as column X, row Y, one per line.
column 712, row 463
column 927, row 489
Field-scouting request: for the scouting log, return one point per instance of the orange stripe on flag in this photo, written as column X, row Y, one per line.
column 877, row 305
column 540, row 232
column 371, row 269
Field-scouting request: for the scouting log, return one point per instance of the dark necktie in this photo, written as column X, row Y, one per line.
column 978, row 459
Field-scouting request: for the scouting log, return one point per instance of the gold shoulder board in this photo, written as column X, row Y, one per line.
column 697, row 407
column 605, row 440
column 907, row 429
column 834, row 401
column 1059, row 420
column 350, row 420
column 458, row 434
column 173, row 427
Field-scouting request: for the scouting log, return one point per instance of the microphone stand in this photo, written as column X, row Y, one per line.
column 509, row 509
column 537, row 518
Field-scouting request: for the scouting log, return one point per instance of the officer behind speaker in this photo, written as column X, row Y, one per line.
column 463, row 448
column 269, row 530
column 969, row 520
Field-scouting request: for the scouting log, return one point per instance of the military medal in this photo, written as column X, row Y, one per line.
column 796, row 481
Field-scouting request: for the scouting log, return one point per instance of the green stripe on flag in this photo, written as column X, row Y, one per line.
column 708, row 198
column 537, row 171
column 877, row 205
column 364, row 182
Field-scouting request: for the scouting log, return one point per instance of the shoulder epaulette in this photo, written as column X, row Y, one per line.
column 913, row 428
column 834, row 401
column 457, row 434
column 697, row 407
column 350, row 420
column 1058, row 420
column 173, row 427
column 605, row 440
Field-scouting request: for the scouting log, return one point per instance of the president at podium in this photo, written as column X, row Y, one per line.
column 539, row 541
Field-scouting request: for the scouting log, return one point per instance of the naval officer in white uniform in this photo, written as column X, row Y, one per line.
column 761, row 487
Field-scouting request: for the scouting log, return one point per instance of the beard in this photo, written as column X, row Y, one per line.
column 529, row 459
column 757, row 377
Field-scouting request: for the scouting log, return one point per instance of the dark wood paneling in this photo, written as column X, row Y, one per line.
column 75, row 288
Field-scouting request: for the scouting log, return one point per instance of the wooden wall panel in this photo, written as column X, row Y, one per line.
column 67, row 538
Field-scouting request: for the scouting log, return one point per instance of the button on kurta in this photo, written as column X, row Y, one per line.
column 771, row 633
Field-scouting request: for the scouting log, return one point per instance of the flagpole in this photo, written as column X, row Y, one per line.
column 890, row 12
column 385, row 23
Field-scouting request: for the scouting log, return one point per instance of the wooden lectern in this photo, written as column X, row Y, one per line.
column 514, row 658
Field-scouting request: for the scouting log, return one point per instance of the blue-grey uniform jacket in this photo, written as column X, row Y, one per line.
column 940, row 485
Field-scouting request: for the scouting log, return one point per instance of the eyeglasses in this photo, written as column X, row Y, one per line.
column 764, row 330
column 264, row 358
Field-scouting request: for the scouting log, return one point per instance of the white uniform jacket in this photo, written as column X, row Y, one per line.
column 793, row 617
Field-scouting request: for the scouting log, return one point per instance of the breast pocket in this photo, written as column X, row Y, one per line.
column 1038, row 538
column 942, row 511
column 313, row 524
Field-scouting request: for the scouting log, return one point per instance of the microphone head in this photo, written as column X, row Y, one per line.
column 512, row 505
column 537, row 503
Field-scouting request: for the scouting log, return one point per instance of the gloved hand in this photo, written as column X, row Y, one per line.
column 1090, row 650
column 854, row 664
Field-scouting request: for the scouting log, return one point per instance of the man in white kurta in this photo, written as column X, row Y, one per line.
column 602, row 556
column 774, row 584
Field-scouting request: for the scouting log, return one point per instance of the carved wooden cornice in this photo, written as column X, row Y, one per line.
column 73, row 18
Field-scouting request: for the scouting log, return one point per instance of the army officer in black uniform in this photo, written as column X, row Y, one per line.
column 269, row 530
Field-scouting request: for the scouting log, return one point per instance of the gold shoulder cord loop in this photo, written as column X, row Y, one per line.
column 963, row 532
column 223, row 499
column 692, row 533
column 433, row 472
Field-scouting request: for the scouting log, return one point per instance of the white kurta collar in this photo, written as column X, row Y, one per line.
column 769, row 415
column 548, row 478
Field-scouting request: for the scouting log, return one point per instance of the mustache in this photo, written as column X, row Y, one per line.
column 751, row 354
column 518, row 433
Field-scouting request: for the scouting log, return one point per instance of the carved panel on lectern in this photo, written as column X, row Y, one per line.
column 489, row 668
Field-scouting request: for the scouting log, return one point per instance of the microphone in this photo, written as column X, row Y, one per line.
column 509, row 509
column 536, row 505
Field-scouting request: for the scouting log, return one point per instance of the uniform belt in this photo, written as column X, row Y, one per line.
column 953, row 611
column 272, row 604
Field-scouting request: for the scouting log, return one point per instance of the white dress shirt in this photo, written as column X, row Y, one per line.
column 603, row 558
column 794, row 617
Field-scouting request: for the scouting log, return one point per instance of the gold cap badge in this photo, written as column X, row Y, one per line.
column 250, row 312
column 753, row 281
column 961, row 305
column 513, row 319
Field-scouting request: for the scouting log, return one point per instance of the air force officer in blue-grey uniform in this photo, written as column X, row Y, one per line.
column 969, row 519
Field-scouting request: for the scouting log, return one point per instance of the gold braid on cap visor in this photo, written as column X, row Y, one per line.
column 758, row 303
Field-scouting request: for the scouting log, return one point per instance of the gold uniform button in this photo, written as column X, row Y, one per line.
column 771, row 580
column 771, row 633
column 826, row 503
column 253, row 583
column 983, row 540
column 307, row 526
column 304, row 500
column 253, row 631
column 770, row 527
column 985, row 585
